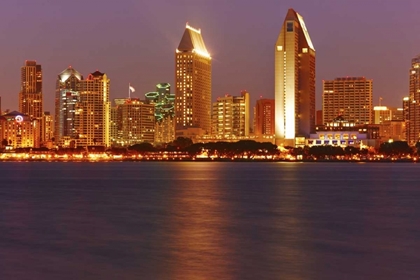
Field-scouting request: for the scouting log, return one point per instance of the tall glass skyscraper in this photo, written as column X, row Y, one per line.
column 413, row 103
column 193, row 85
column 294, row 81
column 30, row 96
column 66, row 97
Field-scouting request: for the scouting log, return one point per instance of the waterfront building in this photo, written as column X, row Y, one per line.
column 231, row 116
column 66, row 97
column 294, row 56
column 164, row 102
column 193, row 85
column 264, row 117
column 340, row 132
column 137, row 121
column 413, row 103
column 18, row 130
column 349, row 97
column 30, row 95
column 93, row 111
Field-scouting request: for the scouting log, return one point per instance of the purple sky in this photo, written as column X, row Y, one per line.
column 135, row 40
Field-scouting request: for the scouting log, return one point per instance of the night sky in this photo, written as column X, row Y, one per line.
column 135, row 40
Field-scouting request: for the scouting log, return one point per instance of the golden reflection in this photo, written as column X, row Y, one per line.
column 290, row 252
column 198, row 242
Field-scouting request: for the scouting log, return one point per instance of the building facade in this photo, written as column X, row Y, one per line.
column 294, row 85
column 93, row 111
column 231, row 116
column 164, row 102
column 18, row 130
column 385, row 113
column 413, row 103
column 193, row 85
column 264, row 117
column 30, row 95
column 349, row 97
column 66, row 97
column 138, row 122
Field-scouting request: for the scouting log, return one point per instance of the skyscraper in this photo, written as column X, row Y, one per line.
column 413, row 104
column 264, row 117
column 231, row 116
column 66, row 97
column 350, row 98
column 138, row 122
column 30, row 95
column 193, row 85
column 294, row 84
column 93, row 111
column 164, row 101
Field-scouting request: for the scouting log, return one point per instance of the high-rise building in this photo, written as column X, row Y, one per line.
column 349, row 97
column 30, row 95
column 93, row 111
column 193, row 85
column 164, row 102
column 138, row 122
column 294, row 72
column 66, row 97
column 231, row 116
column 413, row 104
column 264, row 117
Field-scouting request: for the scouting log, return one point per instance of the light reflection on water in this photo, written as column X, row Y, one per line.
column 209, row 220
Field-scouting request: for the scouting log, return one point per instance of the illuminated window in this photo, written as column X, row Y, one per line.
column 304, row 50
column 279, row 48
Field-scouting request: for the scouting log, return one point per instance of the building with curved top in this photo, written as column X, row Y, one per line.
column 294, row 85
column 193, row 85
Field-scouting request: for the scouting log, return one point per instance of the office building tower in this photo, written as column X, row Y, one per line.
column 193, row 85
column 264, row 117
column 66, row 97
column 30, row 95
column 164, row 102
column 349, row 97
column 413, row 103
column 231, row 116
column 93, row 111
column 138, row 122
column 294, row 85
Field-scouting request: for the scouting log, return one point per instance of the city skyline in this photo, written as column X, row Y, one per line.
column 351, row 39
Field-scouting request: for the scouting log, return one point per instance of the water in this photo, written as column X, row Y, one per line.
column 209, row 220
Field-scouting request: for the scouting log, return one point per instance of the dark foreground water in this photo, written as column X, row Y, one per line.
column 209, row 220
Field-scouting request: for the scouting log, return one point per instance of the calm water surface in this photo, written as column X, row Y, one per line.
column 209, row 220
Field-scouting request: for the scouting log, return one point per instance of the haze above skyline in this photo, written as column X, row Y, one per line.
column 135, row 42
